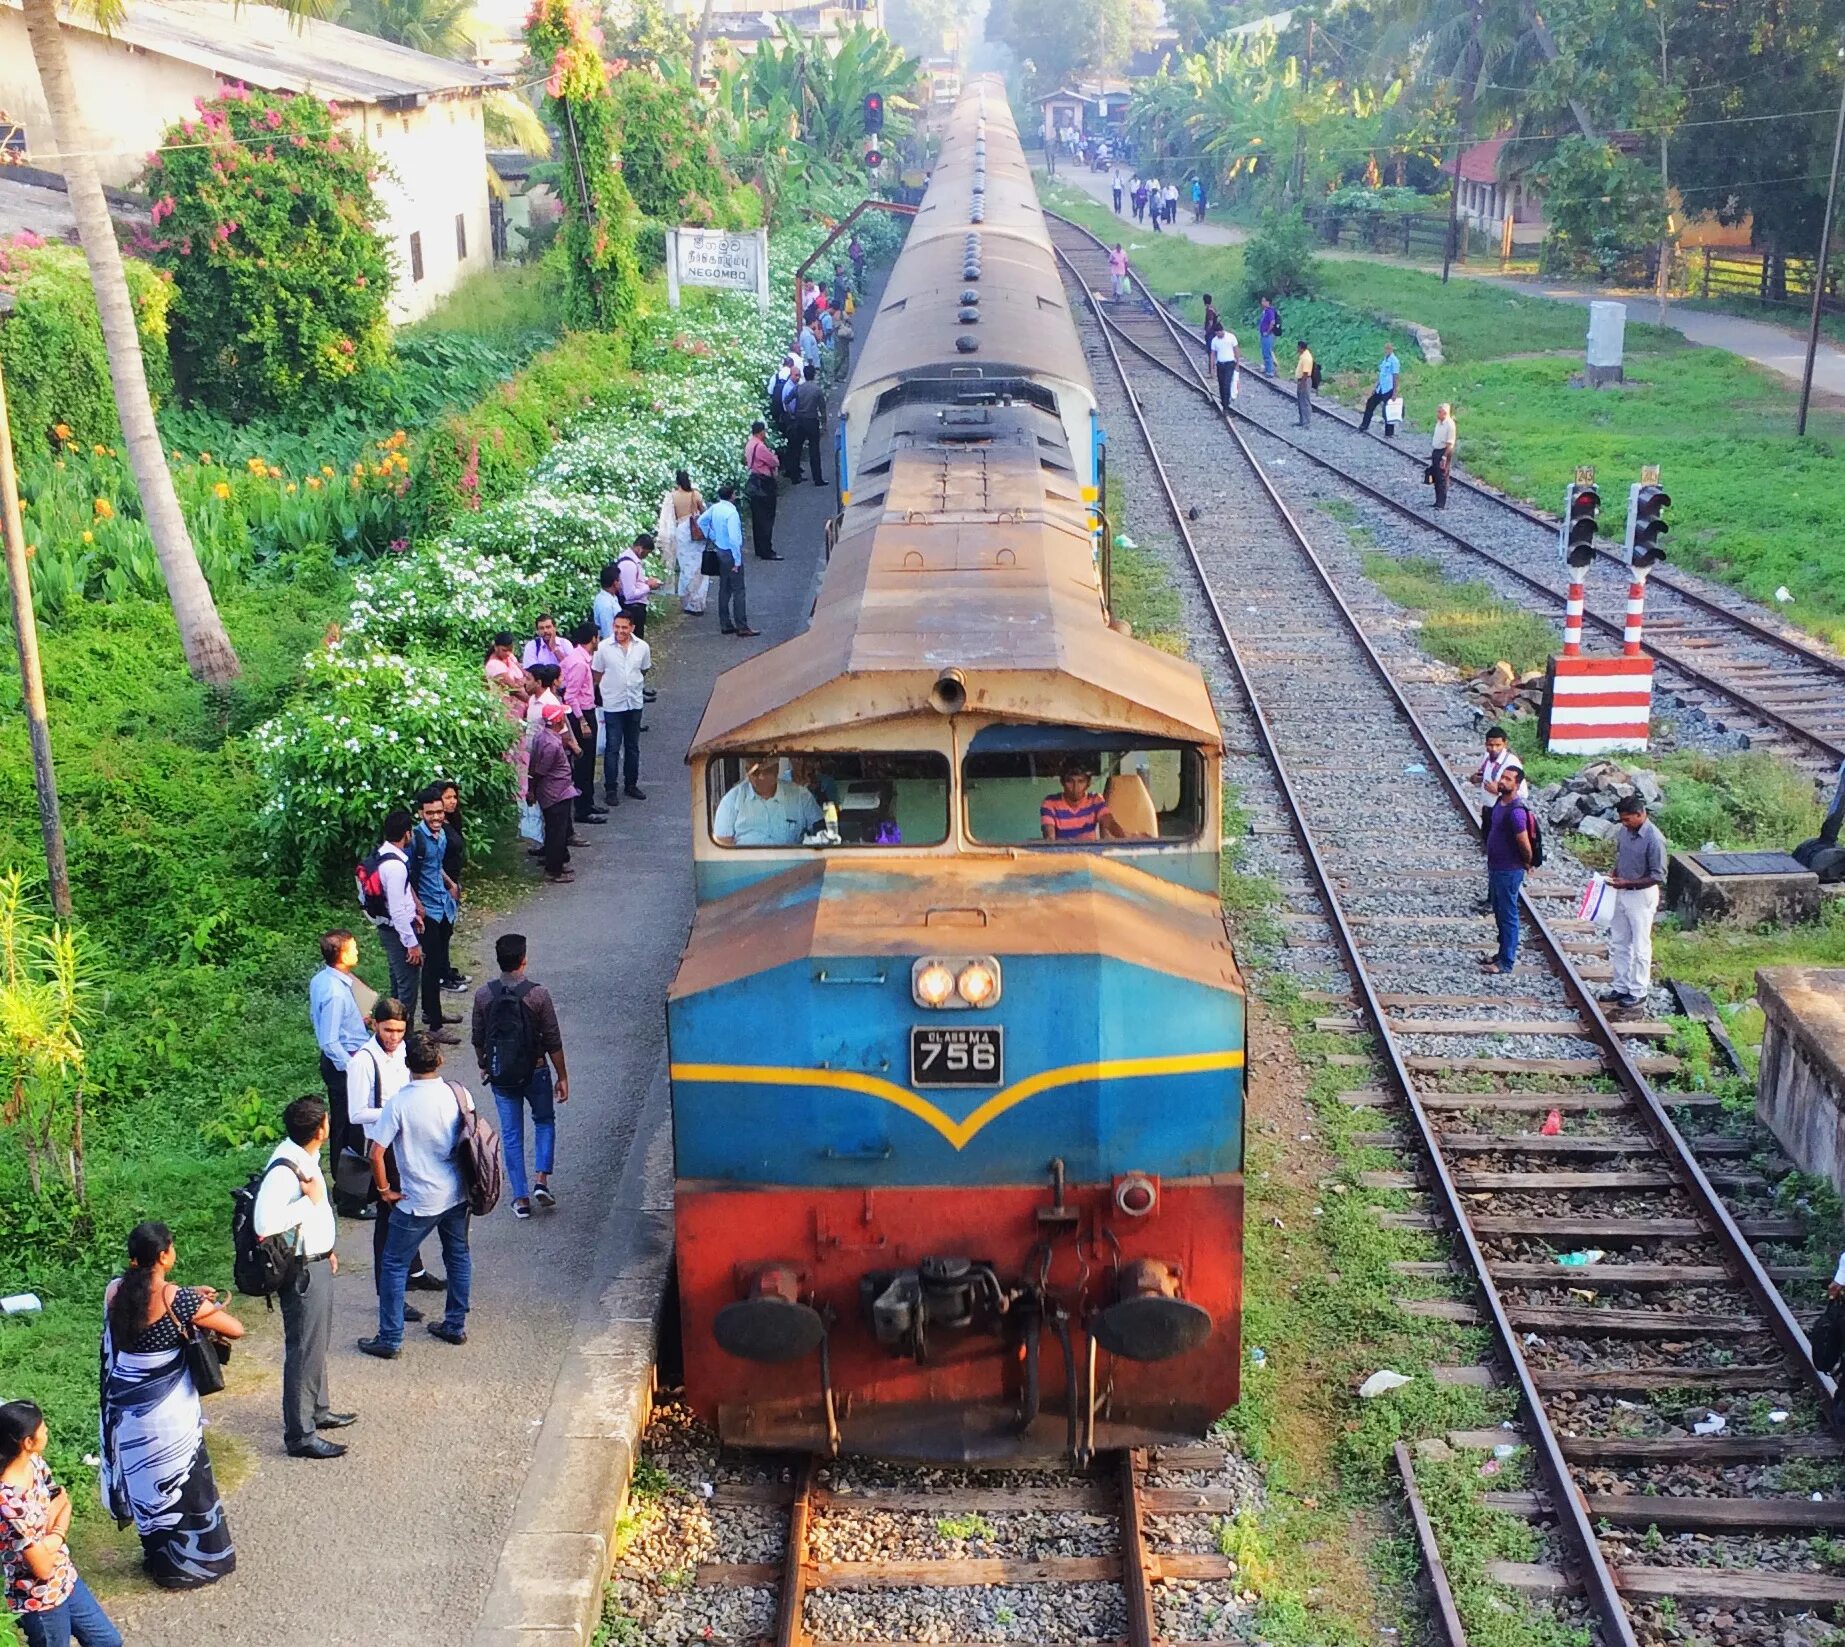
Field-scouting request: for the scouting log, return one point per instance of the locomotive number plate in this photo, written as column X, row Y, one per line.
column 971, row 1057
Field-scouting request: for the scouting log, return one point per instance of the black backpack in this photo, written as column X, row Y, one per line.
column 1316, row 374
column 260, row 1265
column 512, row 1040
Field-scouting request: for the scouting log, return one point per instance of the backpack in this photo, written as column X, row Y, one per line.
column 477, row 1157
column 1828, row 1337
column 260, row 1265
column 512, row 1043
column 1316, row 374
column 1535, row 834
column 366, row 874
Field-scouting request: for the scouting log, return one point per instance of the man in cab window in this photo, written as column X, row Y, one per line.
column 764, row 810
column 1075, row 814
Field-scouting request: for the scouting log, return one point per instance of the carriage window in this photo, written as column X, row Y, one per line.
column 880, row 798
column 1101, row 794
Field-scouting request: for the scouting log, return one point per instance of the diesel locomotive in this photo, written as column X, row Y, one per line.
column 957, row 1036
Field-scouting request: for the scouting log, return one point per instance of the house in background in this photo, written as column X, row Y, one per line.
column 420, row 114
column 1087, row 107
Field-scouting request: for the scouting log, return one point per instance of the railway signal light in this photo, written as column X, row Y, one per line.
column 874, row 113
column 1646, row 524
column 874, row 158
column 1581, row 517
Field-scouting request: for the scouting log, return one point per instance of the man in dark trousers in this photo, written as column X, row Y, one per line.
column 339, row 1027
column 295, row 1204
column 809, row 413
column 515, row 1033
column 761, row 483
column 1507, row 827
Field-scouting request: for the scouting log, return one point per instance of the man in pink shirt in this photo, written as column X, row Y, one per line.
column 635, row 585
column 577, row 683
column 552, row 791
column 762, row 480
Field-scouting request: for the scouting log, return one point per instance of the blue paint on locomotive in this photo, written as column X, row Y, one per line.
column 1185, row 863
column 783, row 1078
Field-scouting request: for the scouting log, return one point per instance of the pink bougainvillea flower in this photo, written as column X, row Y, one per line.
column 358, row 280
column 273, row 119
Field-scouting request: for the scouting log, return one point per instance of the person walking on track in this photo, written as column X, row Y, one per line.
column 1225, row 358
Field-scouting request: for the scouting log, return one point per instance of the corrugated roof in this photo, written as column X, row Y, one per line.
column 262, row 46
column 1479, row 161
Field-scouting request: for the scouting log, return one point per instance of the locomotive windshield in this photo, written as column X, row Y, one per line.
column 830, row 799
column 1072, row 788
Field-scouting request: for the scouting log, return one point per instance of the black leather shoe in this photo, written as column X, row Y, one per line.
column 448, row 1334
column 592, row 818
column 412, row 1313
column 635, row 792
column 378, row 1347
column 336, row 1421
column 317, row 1448
column 428, row 1281
column 770, row 557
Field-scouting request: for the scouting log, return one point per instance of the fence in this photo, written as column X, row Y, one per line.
column 1400, row 234
column 1771, row 281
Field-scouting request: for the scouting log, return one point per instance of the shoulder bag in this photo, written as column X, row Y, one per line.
column 352, row 1169
column 477, row 1156
column 711, row 563
column 204, row 1354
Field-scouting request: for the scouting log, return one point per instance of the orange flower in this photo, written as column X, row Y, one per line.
column 98, row 450
column 105, row 510
column 89, row 537
column 290, row 487
column 274, row 473
column 61, row 430
column 313, row 483
column 222, row 491
column 327, row 470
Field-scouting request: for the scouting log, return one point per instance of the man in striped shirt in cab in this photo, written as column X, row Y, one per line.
column 1076, row 814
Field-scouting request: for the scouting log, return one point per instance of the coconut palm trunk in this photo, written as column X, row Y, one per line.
column 208, row 648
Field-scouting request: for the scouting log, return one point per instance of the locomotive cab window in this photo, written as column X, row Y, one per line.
column 828, row 799
column 1055, row 786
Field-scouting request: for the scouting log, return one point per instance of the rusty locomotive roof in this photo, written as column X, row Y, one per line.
column 1032, row 903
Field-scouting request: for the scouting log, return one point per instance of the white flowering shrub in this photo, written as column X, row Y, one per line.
column 367, row 730
column 577, row 532
column 446, row 598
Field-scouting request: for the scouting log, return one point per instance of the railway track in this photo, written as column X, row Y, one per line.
column 803, row 1552
column 1714, row 657
column 1614, row 1360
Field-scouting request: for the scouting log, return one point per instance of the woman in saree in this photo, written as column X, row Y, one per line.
column 155, row 1470
column 684, row 505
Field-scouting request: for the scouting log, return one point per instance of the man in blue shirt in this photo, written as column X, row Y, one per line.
column 339, row 1028
column 435, row 894
column 1389, row 369
column 1507, row 825
column 723, row 529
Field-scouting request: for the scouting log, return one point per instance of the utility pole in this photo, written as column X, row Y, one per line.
column 1452, row 244
column 1819, row 269
column 1664, row 276
column 31, row 677
column 1300, row 126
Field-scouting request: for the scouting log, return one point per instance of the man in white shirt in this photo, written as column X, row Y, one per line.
column 421, row 1124
column 1497, row 758
column 764, row 810
column 1441, row 453
column 373, row 1074
column 620, row 668
column 295, row 1203
column 1226, row 359
column 398, row 927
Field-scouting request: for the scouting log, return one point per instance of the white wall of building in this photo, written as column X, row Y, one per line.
column 435, row 156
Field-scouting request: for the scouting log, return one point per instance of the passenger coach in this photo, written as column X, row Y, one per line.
column 958, row 1107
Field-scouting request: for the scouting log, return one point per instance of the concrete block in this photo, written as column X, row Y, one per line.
column 604, row 1396
column 547, row 1582
column 572, row 1488
column 1800, row 1088
column 1695, row 895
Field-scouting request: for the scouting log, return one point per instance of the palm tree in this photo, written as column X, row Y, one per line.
column 208, row 650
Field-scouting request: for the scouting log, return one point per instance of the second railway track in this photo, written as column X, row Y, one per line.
column 1733, row 666
column 1610, row 1361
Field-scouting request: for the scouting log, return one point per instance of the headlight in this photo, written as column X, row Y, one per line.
column 955, row 982
column 932, row 984
column 977, row 984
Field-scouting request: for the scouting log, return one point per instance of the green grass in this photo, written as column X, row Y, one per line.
column 1464, row 624
column 507, row 305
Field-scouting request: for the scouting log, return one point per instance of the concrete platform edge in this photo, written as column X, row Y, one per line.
column 548, row 1580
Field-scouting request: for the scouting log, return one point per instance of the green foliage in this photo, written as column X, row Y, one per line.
column 1464, row 624
column 368, row 727
column 1278, row 260
column 668, row 156
column 1058, row 37
column 823, row 94
column 1361, row 197
column 515, row 310
column 268, row 225
column 602, row 271
column 477, row 457
column 51, row 347
column 1602, row 204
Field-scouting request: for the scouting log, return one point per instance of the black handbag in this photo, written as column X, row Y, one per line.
column 711, row 564
column 204, row 1354
column 1828, row 1339
column 352, row 1176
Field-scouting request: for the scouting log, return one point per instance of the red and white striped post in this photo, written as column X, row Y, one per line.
column 1572, row 619
column 1636, row 607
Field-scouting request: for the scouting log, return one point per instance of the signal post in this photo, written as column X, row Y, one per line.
column 1596, row 704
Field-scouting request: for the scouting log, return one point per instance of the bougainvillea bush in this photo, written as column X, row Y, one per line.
column 265, row 215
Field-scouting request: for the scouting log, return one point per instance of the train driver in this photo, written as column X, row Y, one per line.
column 765, row 809
column 1075, row 814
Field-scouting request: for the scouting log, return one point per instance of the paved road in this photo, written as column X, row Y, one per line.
column 396, row 1543
column 1780, row 351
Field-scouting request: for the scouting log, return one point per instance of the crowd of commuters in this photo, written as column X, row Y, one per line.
column 385, row 1139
